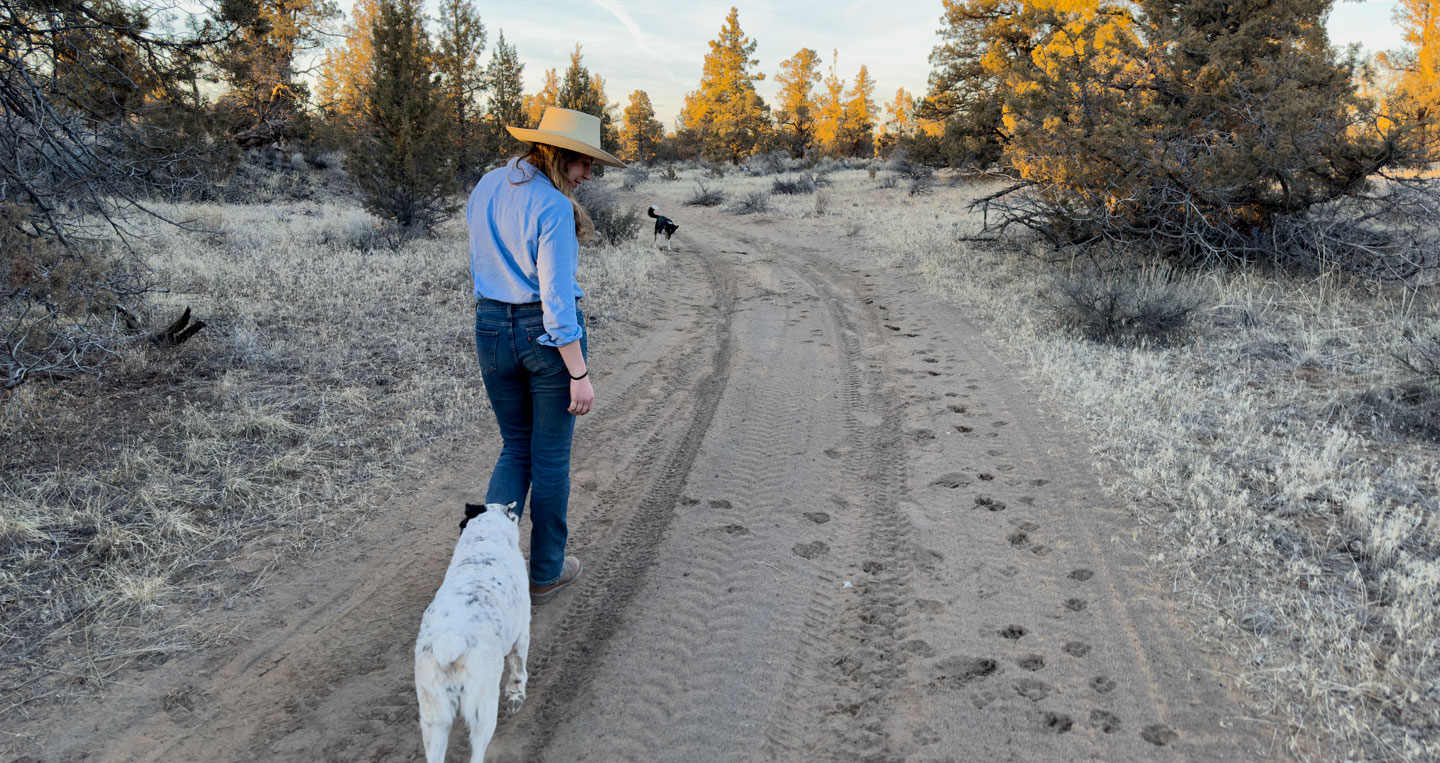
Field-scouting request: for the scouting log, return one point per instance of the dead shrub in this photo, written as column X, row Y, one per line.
column 1124, row 308
column 752, row 203
column 611, row 224
column 795, row 186
column 1409, row 408
column 705, row 197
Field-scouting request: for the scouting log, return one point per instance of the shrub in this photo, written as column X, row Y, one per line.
column 612, row 226
column 1411, row 408
column 798, row 185
column 772, row 163
column 757, row 201
column 1123, row 308
column 705, row 197
column 634, row 176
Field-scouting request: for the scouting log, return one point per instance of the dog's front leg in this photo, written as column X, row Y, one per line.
column 515, row 661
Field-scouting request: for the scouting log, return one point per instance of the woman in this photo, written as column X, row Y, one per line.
column 525, row 230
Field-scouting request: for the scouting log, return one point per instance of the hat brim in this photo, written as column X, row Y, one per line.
column 565, row 141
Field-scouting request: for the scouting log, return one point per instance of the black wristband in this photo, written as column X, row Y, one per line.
column 581, row 376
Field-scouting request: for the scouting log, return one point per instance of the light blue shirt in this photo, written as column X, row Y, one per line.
column 523, row 246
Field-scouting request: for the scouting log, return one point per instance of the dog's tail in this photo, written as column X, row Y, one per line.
column 449, row 647
column 652, row 211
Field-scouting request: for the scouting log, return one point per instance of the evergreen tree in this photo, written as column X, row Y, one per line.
column 857, row 132
column 576, row 90
column 1415, row 102
column 457, row 59
column 830, row 110
column 727, row 116
column 259, row 63
column 403, row 164
column 1195, row 127
column 507, row 98
column 549, row 95
column 641, row 133
column 795, row 117
column 982, row 41
column 345, row 72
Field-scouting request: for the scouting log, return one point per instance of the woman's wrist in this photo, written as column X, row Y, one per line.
column 583, row 375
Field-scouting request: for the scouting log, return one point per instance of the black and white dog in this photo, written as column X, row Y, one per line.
column 478, row 622
column 664, row 226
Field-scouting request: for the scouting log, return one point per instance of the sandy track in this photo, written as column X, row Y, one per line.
column 788, row 420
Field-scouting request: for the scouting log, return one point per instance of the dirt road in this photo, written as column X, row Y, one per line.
column 821, row 520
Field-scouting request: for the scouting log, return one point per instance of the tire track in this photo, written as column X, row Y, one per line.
column 722, row 610
column 571, row 646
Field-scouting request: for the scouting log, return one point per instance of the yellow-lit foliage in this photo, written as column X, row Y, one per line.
column 549, row 95
column 830, row 109
column 1416, row 100
column 795, row 116
column 345, row 71
column 727, row 116
column 641, row 132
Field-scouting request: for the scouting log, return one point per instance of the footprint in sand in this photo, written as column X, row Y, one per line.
column 955, row 672
column 986, row 476
column 1032, row 689
column 1081, row 575
column 962, row 429
column 1076, row 605
column 1105, row 721
column 1013, row 632
column 1076, row 648
column 955, row 408
column 1040, row 549
column 720, row 503
column 1019, row 539
column 811, row 550
column 1057, row 723
column 952, row 480
column 1031, row 662
column 1159, row 734
column 735, row 530
column 1102, row 684
column 818, row 517
column 988, row 503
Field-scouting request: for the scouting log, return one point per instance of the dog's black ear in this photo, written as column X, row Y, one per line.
column 472, row 510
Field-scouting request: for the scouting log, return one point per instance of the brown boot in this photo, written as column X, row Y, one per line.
column 568, row 574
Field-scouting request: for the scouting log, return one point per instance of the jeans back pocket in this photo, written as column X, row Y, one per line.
column 487, row 349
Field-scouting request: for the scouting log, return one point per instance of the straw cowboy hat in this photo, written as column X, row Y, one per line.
column 570, row 129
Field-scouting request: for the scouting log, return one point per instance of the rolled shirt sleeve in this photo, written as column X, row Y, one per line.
column 556, row 258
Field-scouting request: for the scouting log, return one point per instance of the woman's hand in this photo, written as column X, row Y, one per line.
column 582, row 396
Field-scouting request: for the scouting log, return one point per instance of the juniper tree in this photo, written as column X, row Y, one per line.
column 92, row 100
column 402, row 162
column 506, row 98
column 457, row 60
column 259, row 63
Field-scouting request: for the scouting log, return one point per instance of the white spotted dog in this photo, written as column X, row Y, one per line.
column 664, row 226
column 478, row 623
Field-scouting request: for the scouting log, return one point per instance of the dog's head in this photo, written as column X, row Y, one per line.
column 473, row 510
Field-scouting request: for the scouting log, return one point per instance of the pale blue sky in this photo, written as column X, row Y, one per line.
column 657, row 46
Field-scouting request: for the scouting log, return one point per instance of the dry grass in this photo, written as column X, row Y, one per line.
column 184, row 476
column 1300, row 525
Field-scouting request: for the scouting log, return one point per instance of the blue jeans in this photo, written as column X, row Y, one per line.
column 529, row 390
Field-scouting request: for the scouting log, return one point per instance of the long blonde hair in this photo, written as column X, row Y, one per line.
column 553, row 161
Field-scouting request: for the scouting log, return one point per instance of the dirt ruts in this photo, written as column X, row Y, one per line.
column 821, row 520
